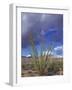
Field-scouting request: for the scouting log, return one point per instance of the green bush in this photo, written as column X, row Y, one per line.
column 56, row 66
column 39, row 63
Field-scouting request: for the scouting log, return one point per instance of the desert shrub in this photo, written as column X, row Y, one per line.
column 44, row 64
column 39, row 63
column 27, row 66
column 55, row 66
column 41, row 66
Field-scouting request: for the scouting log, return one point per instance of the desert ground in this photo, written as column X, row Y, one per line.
column 50, row 67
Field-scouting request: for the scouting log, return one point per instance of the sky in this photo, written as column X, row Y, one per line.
column 44, row 28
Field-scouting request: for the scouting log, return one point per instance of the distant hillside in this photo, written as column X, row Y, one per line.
column 26, row 60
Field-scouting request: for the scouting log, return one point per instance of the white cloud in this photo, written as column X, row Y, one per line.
column 28, row 55
column 58, row 48
column 58, row 51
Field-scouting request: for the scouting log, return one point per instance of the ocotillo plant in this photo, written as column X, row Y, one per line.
column 40, row 63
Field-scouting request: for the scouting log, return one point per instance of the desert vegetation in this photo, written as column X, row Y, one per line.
column 41, row 65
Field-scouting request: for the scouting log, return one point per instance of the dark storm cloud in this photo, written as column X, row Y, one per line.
column 49, row 26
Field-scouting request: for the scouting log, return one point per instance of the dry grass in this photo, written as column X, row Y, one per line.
column 54, row 67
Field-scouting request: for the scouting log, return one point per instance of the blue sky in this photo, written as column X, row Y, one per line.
column 46, row 27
